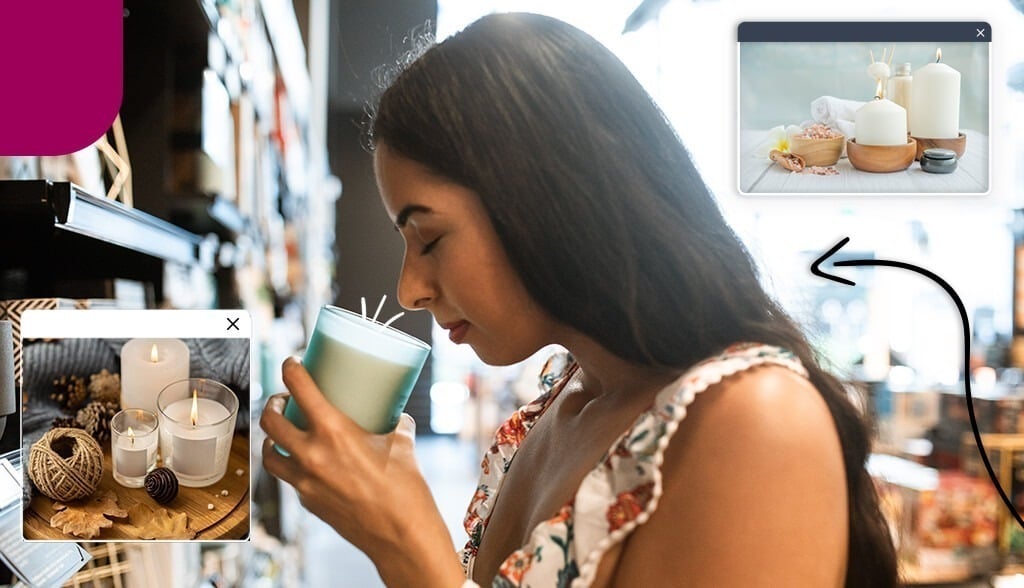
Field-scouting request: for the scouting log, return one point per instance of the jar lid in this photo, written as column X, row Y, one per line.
column 939, row 153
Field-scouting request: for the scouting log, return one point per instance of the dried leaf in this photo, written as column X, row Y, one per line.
column 147, row 523
column 84, row 518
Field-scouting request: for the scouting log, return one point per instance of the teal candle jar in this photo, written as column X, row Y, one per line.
column 365, row 369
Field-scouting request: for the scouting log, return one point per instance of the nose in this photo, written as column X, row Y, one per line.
column 416, row 288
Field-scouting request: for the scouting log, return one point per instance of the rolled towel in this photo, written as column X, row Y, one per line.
column 846, row 127
column 829, row 109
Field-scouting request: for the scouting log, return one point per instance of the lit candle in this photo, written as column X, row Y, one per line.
column 147, row 366
column 935, row 101
column 880, row 122
column 196, row 430
column 133, row 446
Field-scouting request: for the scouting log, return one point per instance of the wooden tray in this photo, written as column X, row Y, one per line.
column 228, row 520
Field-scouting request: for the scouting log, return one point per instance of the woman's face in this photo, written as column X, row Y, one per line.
column 455, row 265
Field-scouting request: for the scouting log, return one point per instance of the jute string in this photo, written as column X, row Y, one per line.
column 71, row 478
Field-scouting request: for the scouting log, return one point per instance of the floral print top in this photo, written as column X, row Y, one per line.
column 622, row 490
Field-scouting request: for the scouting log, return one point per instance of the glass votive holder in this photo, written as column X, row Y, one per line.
column 197, row 425
column 133, row 444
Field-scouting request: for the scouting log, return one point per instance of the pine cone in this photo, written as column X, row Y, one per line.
column 95, row 419
column 70, row 392
column 105, row 387
column 162, row 485
column 65, row 422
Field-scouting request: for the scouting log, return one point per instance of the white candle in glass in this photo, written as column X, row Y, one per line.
column 134, row 441
column 147, row 366
column 196, row 431
column 880, row 122
column 935, row 101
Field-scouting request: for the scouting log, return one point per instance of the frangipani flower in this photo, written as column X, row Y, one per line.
column 776, row 139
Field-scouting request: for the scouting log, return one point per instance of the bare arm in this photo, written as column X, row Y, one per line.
column 367, row 487
column 754, row 493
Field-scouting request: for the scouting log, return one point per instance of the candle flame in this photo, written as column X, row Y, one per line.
column 938, row 55
column 154, row 354
column 195, row 408
column 131, row 435
column 879, row 90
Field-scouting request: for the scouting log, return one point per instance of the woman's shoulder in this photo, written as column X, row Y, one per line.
column 754, row 478
column 757, row 402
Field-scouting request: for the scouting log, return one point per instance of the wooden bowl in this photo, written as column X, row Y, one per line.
column 958, row 145
column 817, row 151
column 881, row 158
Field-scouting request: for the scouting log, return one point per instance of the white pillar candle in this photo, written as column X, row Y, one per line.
column 935, row 101
column 134, row 441
column 147, row 366
column 881, row 122
column 196, row 431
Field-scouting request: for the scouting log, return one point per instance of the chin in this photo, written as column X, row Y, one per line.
column 502, row 356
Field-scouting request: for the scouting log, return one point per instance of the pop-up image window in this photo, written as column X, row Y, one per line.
column 136, row 425
column 863, row 107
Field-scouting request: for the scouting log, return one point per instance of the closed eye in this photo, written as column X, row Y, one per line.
column 429, row 246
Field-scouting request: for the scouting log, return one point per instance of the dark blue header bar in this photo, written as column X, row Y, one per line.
column 864, row 32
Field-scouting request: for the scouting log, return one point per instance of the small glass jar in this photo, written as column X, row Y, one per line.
column 134, row 439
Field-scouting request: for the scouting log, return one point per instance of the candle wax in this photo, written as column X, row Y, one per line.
column 132, row 460
column 370, row 390
column 935, row 102
column 142, row 378
column 193, row 450
column 881, row 122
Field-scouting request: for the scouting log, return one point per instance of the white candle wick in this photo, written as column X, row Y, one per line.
column 154, row 354
column 195, row 408
column 362, row 303
column 379, row 306
column 391, row 320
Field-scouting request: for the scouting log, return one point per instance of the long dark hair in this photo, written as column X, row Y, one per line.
column 603, row 215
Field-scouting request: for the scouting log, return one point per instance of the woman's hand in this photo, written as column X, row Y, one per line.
column 367, row 487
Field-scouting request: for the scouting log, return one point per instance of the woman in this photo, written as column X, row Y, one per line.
column 544, row 199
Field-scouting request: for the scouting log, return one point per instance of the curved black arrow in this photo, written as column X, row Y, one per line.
column 967, row 344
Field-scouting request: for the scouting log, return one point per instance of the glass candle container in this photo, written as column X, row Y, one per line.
column 197, row 424
column 134, row 439
column 364, row 368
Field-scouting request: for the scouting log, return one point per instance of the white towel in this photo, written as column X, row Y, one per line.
column 846, row 127
column 829, row 109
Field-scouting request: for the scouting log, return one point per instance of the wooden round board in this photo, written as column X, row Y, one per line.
column 228, row 520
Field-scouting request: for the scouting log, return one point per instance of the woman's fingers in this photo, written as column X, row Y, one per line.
column 312, row 401
column 278, row 428
column 304, row 390
column 406, row 427
column 279, row 466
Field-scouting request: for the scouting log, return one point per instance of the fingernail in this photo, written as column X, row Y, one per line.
column 277, row 405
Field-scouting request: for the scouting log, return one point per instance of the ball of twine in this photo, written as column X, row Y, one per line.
column 66, row 464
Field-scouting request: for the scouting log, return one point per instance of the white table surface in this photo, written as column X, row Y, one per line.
column 762, row 176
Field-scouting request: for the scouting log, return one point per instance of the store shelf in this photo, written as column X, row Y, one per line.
column 73, row 210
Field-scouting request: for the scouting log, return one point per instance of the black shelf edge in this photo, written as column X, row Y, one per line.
column 76, row 211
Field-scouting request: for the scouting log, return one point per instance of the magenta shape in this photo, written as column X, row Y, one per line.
column 61, row 73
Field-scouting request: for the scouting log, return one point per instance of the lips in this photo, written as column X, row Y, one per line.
column 456, row 330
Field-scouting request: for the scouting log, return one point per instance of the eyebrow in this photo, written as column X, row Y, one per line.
column 409, row 210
